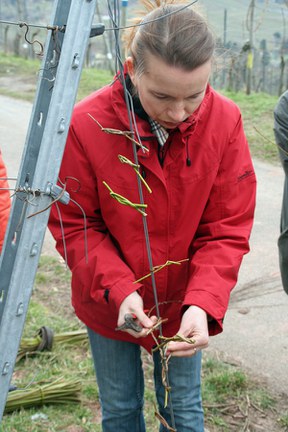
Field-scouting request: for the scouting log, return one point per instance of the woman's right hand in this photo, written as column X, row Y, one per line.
column 133, row 305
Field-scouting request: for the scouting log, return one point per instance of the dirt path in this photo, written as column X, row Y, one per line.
column 14, row 122
column 256, row 325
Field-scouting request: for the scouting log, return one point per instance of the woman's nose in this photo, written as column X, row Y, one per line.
column 177, row 112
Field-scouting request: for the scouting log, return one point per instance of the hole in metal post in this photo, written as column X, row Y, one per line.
column 39, row 123
column 53, row 61
column 76, row 61
column 14, row 240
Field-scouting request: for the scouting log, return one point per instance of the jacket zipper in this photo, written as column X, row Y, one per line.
column 161, row 154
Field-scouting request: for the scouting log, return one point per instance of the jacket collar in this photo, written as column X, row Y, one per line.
column 120, row 108
column 190, row 124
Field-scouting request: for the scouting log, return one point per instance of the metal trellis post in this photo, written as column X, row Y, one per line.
column 56, row 93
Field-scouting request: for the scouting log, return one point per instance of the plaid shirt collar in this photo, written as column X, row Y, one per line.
column 159, row 131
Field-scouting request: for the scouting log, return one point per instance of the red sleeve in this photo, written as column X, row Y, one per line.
column 5, row 202
column 99, row 270
column 223, row 234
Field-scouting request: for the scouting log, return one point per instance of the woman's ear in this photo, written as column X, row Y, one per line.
column 130, row 69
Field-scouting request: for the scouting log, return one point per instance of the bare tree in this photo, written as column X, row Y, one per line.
column 107, row 46
column 250, row 28
column 282, row 62
column 6, row 39
column 21, row 9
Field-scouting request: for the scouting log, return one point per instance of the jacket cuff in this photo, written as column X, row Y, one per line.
column 120, row 291
column 206, row 301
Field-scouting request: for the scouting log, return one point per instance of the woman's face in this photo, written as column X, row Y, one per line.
column 169, row 94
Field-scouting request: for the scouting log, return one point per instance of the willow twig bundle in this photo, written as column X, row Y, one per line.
column 58, row 392
column 40, row 343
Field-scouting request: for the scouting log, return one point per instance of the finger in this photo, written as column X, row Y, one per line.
column 144, row 320
column 185, row 353
column 178, row 346
column 185, row 349
column 154, row 319
column 137, row 335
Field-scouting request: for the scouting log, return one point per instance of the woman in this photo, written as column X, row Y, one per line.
column 196, row 200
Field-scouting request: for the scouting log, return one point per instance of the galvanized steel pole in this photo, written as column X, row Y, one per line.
column 55, row 97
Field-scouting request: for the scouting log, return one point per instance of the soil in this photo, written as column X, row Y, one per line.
column 17, row 84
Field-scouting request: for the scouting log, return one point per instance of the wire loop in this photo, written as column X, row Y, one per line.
column 32, row 42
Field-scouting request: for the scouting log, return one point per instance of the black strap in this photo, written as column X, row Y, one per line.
column 46, row 335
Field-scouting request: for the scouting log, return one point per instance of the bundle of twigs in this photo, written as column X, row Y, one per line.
column 45, row 338
column 58, row 392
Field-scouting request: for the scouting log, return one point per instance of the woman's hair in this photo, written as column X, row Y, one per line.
column 176, row 34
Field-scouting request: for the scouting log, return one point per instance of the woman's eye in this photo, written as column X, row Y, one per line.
column 197, row 96
column 160, row 96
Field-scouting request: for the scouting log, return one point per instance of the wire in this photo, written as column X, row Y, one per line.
column 132, row 122
column 153, row 20
column 114, row 28
column 22, row 23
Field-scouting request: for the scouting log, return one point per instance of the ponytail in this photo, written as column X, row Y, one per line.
column 176, row 34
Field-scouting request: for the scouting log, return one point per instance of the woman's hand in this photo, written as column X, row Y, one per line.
column 133, row 304
column 194, row 326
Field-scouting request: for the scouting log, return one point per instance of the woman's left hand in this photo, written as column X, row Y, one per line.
column 194, row 326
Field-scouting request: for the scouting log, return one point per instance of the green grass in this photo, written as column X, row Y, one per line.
column 51, row 267
column 27, row 72
column 257, row 112
column 92, row 80
column 284, row 421
column 16, row 66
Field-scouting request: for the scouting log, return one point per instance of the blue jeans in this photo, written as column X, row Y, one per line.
column 120, row 379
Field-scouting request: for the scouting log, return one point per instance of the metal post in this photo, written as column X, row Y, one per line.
column 42, row 155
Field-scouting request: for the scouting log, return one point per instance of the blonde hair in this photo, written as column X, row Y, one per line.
column 176, row 34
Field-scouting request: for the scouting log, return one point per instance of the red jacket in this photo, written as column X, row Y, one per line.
column 202, row 212
column 5, row 202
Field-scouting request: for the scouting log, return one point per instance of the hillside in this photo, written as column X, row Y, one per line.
column 26, row 10
column 269, row 18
